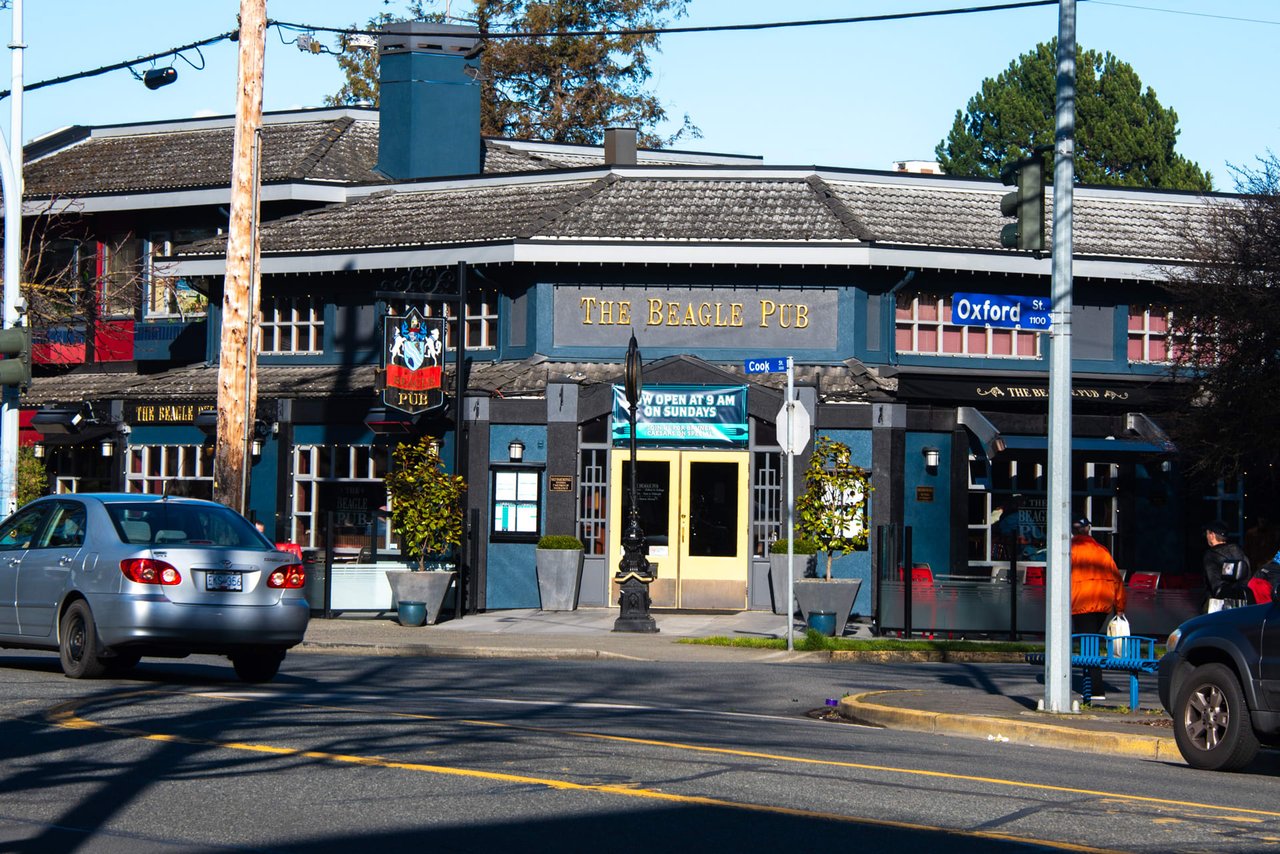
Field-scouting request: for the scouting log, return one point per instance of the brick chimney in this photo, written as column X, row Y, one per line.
column 429, row 101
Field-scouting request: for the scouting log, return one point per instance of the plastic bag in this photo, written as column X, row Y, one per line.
column 1118, row 627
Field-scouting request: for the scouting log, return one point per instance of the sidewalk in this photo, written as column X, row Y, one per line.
column 587, row 633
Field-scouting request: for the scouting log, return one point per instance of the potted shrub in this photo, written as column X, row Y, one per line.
column 559, row 563
column 426, row 514
column 832, row 513
column 802, row 566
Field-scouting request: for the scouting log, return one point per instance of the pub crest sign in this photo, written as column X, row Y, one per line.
column 413, row 358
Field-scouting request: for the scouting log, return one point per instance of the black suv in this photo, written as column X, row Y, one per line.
column 1220, row 682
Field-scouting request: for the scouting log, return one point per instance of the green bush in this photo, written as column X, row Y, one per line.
column 560, row 541
column 803, row 547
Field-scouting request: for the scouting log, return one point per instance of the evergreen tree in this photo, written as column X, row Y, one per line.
column 565, row 87
column 1123, row 136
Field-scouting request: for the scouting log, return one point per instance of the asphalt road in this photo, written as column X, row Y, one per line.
column 389, row 754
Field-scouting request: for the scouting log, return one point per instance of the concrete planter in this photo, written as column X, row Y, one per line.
column 559, row 578
column 429, row 588
column 835, row 596
column 802, row 566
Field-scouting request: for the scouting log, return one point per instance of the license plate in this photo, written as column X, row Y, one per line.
column 229, row 582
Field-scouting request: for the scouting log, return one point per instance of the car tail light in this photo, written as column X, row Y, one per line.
column 145, row 570
column 289, row 577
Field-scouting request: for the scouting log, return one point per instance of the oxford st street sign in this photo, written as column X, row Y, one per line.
column 413, row 359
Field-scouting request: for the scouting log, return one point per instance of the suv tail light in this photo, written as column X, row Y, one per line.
column 289, row 577
column 145, row 570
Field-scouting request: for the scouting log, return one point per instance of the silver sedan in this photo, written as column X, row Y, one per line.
column 105, row 579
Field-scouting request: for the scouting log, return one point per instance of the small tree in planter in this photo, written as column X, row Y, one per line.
column 426, row 501
column 780, row 552
column 832, row 511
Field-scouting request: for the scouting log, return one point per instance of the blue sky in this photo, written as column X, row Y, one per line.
column 855, row 95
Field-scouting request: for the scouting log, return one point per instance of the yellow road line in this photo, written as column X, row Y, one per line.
column 800, row 760
column 726, row 751
column 64, row 716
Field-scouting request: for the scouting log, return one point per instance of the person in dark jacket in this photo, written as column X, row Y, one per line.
column 1262, row 586
column 1226, row 567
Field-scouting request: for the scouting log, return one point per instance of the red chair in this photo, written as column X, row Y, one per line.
column 1144, row 580
column 1034, row 576
column 920, row 573
column 292, row 548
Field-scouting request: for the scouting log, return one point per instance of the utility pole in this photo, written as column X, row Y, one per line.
column 12, row 267
column 1057, row 638
column 237, row 363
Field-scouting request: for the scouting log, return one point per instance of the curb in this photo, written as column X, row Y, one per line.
column 425, row 651
column 928, row 655
column 861, row 709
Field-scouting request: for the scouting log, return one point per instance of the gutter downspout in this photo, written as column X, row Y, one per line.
column 888, row 315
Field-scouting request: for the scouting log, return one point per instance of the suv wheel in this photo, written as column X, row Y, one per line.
column 1211, row 722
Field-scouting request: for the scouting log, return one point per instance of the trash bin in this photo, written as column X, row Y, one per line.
column 823, row 621
column 411, row 613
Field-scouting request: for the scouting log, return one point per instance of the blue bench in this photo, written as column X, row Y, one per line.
column 1133, row 655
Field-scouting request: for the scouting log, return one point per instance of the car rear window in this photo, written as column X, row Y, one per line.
column 162, row 523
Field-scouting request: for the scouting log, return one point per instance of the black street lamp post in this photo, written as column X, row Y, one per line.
column 635, row 573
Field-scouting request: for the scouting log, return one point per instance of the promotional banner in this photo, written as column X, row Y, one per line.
column 413, row 353
column 684, row 415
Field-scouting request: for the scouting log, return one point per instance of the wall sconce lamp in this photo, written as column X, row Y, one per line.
column 255, row 447
column 107, row 447
column 932, row 457
column 435, row 446
column 515, row 451
column 37, row 450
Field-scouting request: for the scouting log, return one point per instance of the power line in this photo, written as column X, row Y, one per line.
column 1184, row 12
column 173, row 51
column 714, row 28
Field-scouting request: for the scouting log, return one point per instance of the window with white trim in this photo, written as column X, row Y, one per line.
column 165, row 295
column 923, row 325
column 315, row 466
column 1148, row 339
column 170, row 469
column 481, row 317
column 292, row 326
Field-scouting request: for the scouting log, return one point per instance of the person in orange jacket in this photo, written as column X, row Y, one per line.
column 1097, row 590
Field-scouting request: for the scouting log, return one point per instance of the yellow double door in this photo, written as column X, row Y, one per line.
column 693, row 509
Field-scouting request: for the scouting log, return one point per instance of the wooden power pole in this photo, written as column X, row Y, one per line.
column 237, row 365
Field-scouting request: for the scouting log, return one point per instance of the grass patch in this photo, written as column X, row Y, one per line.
column 815, row 641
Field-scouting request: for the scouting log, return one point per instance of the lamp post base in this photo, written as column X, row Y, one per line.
column 633, row 602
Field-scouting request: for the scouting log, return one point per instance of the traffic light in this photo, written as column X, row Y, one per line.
column 1026, row 203
column 15, row 345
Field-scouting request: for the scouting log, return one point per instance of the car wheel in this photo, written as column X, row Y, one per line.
column 1211, row 722
column 78, row 643
column 121, row 662
column 258, row 666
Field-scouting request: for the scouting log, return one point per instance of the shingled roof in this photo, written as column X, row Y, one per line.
column 338, row 145
column 845, row 382
column 797, row 206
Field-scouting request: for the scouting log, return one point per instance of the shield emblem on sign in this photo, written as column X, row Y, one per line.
column 413, row 362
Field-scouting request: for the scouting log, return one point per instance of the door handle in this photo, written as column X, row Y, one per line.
column 14, row 561
column 684, row 527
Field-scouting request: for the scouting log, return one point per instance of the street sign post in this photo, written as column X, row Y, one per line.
column 1002, row 311
column 792, row 426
